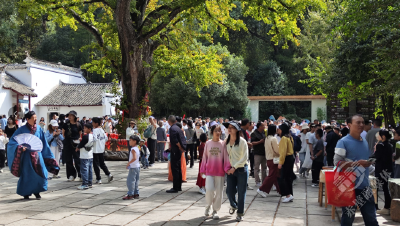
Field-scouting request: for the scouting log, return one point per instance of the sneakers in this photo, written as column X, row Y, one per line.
column 258, row 184
column 1, row 170
column 232, row 210
column 71, row 178
column 202, row 191
column 90, row 185
column 83, row 187
column 207, row 212
column 110, row 178
column 273, row 188
column 315, row 185
column 263, row 194
column 56, row 177
column 288, row 199
column 136, row 196
column 239, row 218
column 98, row 181
column 249, row 188
column 215, row 215
column 383, row 211
column 127, row 197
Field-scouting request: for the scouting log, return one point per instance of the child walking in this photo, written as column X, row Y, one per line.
column 132, row 182
column 145, row 154
column 86, row 156
column 100, row 139
column 3, row 142
column 201, row 182
column 215, row 160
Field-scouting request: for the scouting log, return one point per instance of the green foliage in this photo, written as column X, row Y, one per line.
column 247, row 113
column 170, row 95
column 321, row 114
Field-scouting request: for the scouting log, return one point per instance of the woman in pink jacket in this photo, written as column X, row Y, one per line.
column 215, row 161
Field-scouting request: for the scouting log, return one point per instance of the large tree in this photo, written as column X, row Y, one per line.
column 130, row 33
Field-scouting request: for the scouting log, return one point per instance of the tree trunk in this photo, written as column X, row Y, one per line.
column 390, row 110
column 384, row 109
column 135, row 58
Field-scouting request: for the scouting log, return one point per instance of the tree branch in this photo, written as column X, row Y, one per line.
column 88, row 27
column 161, row 26
column 79, row 3
column 155, row 14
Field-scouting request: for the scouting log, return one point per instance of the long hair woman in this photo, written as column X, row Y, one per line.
column 286, row 163
column 11, row 127
column 72, row 131
column 42, row 123
column 215, row 158
column 271, row 152
column 237, row 173
column 383, row 167
column 54, row 138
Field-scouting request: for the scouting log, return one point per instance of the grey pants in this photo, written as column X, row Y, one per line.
column 260, row 160
column 160, row 151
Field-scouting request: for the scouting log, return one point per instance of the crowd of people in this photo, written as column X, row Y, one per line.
column 229, row 153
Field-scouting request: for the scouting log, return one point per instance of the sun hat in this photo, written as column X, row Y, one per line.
column 304, row 126
column 233, row 123
column 72, row 113
column 213, row 123
column 53, row 123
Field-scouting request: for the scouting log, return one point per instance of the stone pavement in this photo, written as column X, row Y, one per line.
column 63, row 204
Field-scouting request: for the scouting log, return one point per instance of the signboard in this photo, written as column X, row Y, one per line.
column 53, row 108
column 23, row 101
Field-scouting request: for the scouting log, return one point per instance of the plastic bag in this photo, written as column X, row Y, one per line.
column 340, row 188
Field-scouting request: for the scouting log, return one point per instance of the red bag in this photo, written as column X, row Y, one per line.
column 340, row 188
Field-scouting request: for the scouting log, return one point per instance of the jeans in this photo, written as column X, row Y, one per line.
column 86, row 171
column 368, row 210
column 237, row 183
column 160, row 151
column 145, row 160
column 151, row 144
column 98, row 162
column 132, row 182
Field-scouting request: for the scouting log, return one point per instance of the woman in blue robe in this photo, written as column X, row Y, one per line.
column 31, row 167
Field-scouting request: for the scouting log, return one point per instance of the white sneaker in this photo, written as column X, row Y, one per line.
column 82, row 187
column 215, row 215
column 273, row 188
column 263, row 194
column 249, row 188
column 258, row 184
column 207, row 212
column 98, row 181
column 203, row 191
column 315, row 185
column 239, row 218
column 383, row 211
column 1, row 170
column 110, row 178
column 288, row 199
column 71, row 178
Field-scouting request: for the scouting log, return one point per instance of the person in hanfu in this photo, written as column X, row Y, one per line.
column 30, row 158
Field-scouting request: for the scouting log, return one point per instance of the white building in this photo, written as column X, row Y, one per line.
column 25, row 85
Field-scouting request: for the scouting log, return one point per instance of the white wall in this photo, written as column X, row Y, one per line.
column 46, row 79
column 315, row 104
column 254, row 107
column 6, row 101
column 22, row 74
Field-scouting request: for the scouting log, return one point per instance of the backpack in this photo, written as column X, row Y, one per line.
column 147, row 133
column 297, row 143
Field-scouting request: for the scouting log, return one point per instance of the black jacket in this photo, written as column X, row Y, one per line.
column 331, row 140
column 383, row 155
column 258, row 149
column 176, row 136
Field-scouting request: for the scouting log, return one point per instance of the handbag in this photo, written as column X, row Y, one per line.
column 275, row 159
column 147, row 133
column 340, row 188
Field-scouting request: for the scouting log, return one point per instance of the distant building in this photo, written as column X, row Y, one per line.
column 24, row 86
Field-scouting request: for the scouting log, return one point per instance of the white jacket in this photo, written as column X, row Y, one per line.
column 100, row 139
column 3, row 141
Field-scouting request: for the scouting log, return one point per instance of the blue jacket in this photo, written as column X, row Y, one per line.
column 49, row 136
column 3, row 123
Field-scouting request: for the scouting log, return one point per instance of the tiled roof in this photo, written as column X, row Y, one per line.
column 86, row 94
column 17, row 86
column 53, row 65
column 14, row 66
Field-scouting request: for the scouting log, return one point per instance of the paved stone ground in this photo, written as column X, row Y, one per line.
column 63, row 204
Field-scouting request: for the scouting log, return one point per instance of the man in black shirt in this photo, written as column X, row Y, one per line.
column 318, row 158
column 257, row 140
column 331, row 140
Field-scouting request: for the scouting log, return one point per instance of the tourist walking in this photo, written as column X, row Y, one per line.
column 317, row 157
column 238, row 173
column 3, row 143
column 258, row 140
column 271, row 153
column 161, row 141
column 71, row 132
column 286, row 163
column 201, row 182
column 304, row 148
column 331, row 140
column 215, row 161
column 190, row 143
column 178, row 146
column 11, row 127
column 152, row 140
column 99, row 139
column 132, row 181
column 383, row 168
column 55, row 140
